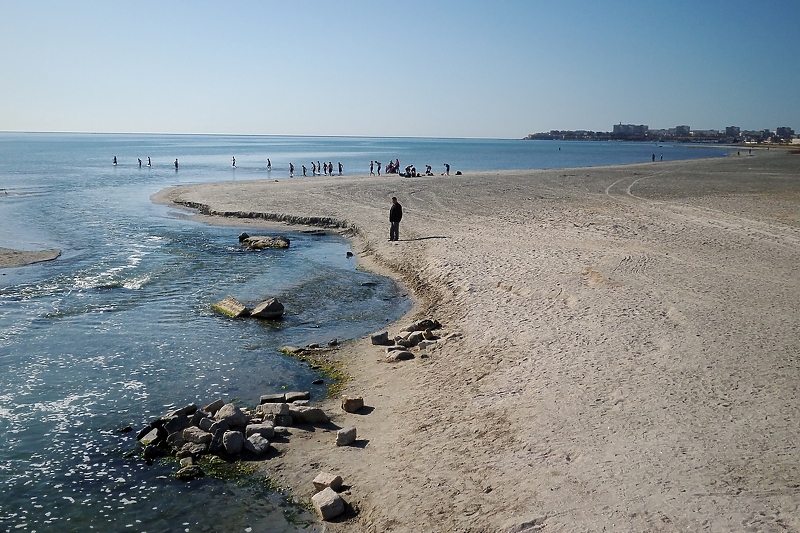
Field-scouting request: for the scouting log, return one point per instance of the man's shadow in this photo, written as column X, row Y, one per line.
column 426, row 238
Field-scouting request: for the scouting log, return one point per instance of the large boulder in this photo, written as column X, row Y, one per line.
column 214, row 406
column 351, row 405
column 269, row 309
column 380, row 339
column 233, row 442
column 326, row 479
column 265, row 430
column 232, row 415
column 196, row 435
column 328, row 504
column 345, row 436
column 399, row 355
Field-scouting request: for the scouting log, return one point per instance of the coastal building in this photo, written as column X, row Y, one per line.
column 732, row 131
column 784, row 132
column 683, row 131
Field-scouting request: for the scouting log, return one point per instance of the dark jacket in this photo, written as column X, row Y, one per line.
column 396, row 213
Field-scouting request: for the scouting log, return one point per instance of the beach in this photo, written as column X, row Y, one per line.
column 620, row 347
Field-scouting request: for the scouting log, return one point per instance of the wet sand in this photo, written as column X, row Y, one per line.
column 622, row 352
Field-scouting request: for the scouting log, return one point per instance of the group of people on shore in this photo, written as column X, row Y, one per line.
column 393, row 167
column 318, row 169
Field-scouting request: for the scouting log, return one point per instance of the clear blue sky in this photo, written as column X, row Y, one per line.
column 399, row 68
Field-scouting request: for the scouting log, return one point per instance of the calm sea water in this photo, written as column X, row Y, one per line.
column 118, row 330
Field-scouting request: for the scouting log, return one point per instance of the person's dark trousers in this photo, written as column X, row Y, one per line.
column 394, row 231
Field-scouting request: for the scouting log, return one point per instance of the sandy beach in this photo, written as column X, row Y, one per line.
column 620, row 347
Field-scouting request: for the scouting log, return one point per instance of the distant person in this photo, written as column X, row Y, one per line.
column 330, row 167
column 148, row 161
column 378, row 163
column 291, row 170
column 319, row 167
column 654, row 157
column 140, row 161
column 340, row 168
column 313, row 168
column 115, row 161
column 176, row 163
column 233, row 164
column 428, row 170
column 395, row 216
column 662, row 157
column 371, row 171
column 447, row 169
column 269, row 164
column 304, row 170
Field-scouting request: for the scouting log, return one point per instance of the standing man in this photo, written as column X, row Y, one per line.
column 291, row 170
column 395, row 215
column 176, row 164
column 371, row 168
column 340, row 168
column 447, row 169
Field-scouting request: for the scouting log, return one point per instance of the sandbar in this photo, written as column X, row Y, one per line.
column 621, row 346
column 16, row 258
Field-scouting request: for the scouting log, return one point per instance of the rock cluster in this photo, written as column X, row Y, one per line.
column 419, row 334
column 268, row 309
column 224, row 429
column 259, row 242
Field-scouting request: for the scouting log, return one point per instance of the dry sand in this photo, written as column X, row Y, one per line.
column 628, row 358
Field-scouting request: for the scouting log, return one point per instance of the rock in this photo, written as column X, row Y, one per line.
column 333, row 342
column 415, row 338
column 294, row 396
column 192, row 449
column 259, row 242
column 152, row 451
column 183, row 411
column 318, row 382
column 405, row 343
column 214, row 406
column 349, row 254
column 265, row 430
column 268, row 309
column 273, row 398
column 301, row 402
column 216, row 445
column 282, row 420
column 351, row 405
column 126, row 429
column 177, row 423
column 233, row 442
column 219, row 425
column 423, row 345
column 231, row 307
column 422, row 325
column 345, row 436
column 328, row 504
column 428, row 335
column 206, row 423
column 232, row 415
column 307, row 415
column 198, row 416
column 291, row 350
column 188, row 473
column 187, row 461
column 273, row 409
column 399, row 355
column 196, row 435
column 394, row 348
column 380, row 339
column 150, row 436
column 325, row 480
column 256, row 444
column 243, row 236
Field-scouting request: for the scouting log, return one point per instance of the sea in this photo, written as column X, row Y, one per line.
column 118, row 330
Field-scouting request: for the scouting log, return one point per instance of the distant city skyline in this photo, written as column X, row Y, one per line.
column 426, row 69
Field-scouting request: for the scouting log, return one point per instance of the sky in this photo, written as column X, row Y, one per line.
column 499, row 69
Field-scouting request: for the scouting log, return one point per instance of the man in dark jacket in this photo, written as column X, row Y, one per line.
column 395, row 215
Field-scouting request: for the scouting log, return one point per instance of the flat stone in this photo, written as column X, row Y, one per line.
column 380, row 339
column 273, row 398
column 297, row 395
column 424, row 345
column 325, row 480
column 345, row 436
column 258, row 242
column 183, row 411
column 273, row 409
column 268, row 309
column 328, row 504
column 188, row 473
column 231, row 306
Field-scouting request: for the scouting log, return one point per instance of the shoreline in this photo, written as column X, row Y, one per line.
column 622, row 355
